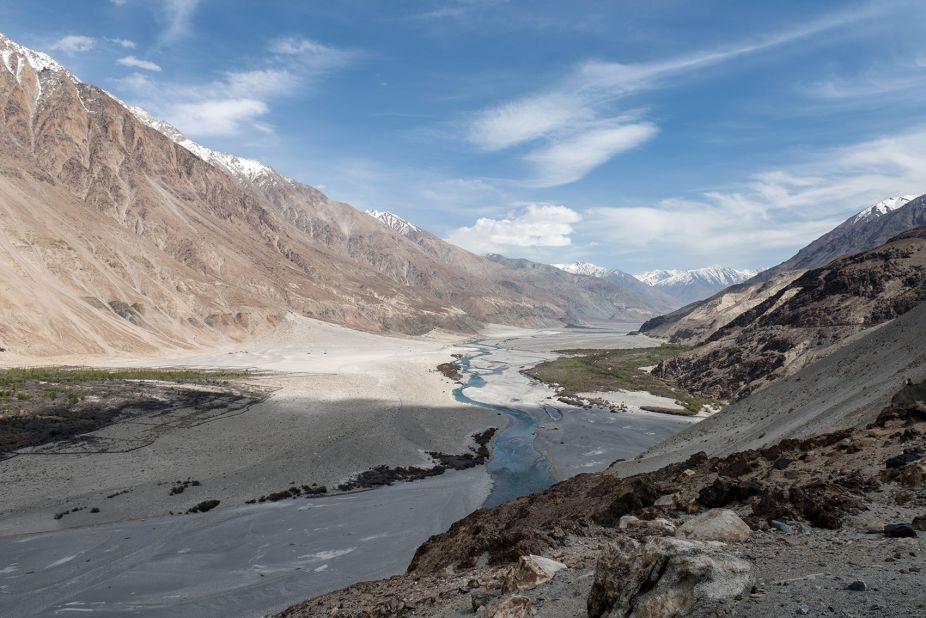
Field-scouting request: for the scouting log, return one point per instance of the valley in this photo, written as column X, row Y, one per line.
column 226, row 392
column 323, row 383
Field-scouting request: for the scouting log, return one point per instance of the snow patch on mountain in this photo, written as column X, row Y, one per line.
column 712, row 275
column 14, row 55
column 882, row 208
column 584, row 268
column 244, row 169
column 394, row 222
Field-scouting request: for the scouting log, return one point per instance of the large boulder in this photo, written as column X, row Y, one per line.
column 664, row 577
column 715, row 525
column 531, row 571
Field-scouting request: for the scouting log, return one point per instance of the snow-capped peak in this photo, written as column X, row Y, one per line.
column 713, row 275
column 394, row 222
column 14, row 54
column 244, row 169
column 882, row 208
column 583, row 268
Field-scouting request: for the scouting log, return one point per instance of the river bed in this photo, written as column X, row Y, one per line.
column 251, row 560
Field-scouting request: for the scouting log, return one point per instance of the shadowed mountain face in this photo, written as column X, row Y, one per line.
column 866, row 230
column 120, row 234
column 805, row 320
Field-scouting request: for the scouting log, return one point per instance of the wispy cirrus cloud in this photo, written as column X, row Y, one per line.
column 178, row 19
column 571, row 158
column 138, row 63
column 236, row 101
column 558, row 123
column 126, row 43
column 74, row 44
column 778, row 209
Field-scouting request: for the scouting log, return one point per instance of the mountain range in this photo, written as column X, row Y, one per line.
column 122, row 235
column 682, row 286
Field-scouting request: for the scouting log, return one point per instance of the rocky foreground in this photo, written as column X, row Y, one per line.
column 830, row 525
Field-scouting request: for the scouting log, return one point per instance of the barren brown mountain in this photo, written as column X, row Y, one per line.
column 805, row 320
column 118, row 234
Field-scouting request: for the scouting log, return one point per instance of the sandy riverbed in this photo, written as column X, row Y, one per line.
column 343, row 401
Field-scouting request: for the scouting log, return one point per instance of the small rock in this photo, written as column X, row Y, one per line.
column 715, row 525
column 666, row 501
column 804, row 528
column 688, row 472
column 803, row 609
column 513, row 607
column 782, row 462
column 899, row 531
column 531, row 571
column 873, row 524
column 780, row 526
column 480, row 600
column 899, row 461
column 658, row 525
column 919, row 522
column 858, row 586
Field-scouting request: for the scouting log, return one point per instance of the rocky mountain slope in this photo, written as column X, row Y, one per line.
column 624, row 298
column 805, row 320
column 869, row 228
column 865, row 230
column 120, row 234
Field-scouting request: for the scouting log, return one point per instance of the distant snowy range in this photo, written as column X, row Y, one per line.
column 685, row 286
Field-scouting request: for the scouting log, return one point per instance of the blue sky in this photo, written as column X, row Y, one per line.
column 635, row 135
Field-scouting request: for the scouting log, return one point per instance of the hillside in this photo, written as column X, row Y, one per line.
column 122, row 235
column 805, row 320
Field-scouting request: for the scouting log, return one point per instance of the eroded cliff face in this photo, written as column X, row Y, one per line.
column 805, row 320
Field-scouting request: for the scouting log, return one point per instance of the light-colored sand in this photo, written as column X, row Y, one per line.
column 634, row 400
column 347, row 401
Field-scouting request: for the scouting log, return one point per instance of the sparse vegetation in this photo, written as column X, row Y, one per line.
column 39, row 405
column 580, row 371
column 15, row 378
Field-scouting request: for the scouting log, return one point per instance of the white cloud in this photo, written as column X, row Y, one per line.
column 571, row 158
column 535, row 225
column 235, row 101
column 178, row 15
column 590, row 92
column 219, row 117
column 138, row 63
column 312, row 55
column 527, row 119
column 126, row 43
column 74, row 43
column 774, row 210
